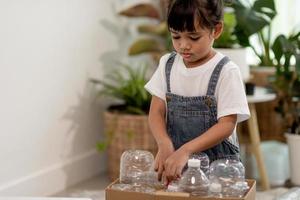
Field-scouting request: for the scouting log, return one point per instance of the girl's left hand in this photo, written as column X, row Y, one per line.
column 175, row 163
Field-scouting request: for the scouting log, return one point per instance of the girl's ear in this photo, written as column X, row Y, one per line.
column 218, row 30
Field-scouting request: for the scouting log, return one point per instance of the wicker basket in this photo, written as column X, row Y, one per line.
column 129, row 132
column 270, row 124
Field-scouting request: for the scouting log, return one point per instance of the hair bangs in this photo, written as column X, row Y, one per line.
column 182, row 17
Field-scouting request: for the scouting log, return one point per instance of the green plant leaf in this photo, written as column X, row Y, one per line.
column 130, row 134
column 228, row 38
column 284, row 47
column 252, row 19
column 135, row 110
column 278, row 47
column 141, row 10
column 160, row 29
column 127, row 85
column 266, row 8
column 297, row 65
column 145, row 45
column 102, row 146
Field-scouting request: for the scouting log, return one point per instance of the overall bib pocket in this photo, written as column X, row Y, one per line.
column 190, row 124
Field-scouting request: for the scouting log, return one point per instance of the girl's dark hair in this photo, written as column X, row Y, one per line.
column 182, row 14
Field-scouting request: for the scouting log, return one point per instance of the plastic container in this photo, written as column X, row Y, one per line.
column 122, row 187
column 204, row 159
column 294, row 148
column 150, row 179
column 173, row 187
column 238, row 189
column 134, row 166
column 226, row 172
column 194, row 180
column 215, row 189
column 276, row 157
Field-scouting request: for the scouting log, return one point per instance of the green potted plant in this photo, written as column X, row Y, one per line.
column 126, row 122
column 155, row 38
column 255, row 20
column 287, row 85
column 241, row 22
column 228, row 43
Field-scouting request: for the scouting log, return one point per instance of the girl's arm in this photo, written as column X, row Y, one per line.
column 213, row 136
column 157, row 124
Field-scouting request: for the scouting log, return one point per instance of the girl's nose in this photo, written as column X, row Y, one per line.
column 185, row 45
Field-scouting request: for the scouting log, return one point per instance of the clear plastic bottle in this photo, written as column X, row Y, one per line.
column 194, row 180
column 227, row 172
column 150, row 179
column 173, row 188
column 203, row 157
column 133, row 166
column 215, row 189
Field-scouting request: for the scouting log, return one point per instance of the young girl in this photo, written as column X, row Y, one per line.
column 198, row 95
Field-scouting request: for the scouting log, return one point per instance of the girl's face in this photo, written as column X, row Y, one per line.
column 195, row 47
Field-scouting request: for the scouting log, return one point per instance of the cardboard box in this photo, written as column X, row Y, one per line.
column 111, row 194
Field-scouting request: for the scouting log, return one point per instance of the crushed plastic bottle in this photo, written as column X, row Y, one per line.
column 227, row 172
column 238, row 189
column 150, row 179
column 134, row 164
column 174, row 186
column 121, row 186
column 193, row 180
column 142, row 189
column 133, row 188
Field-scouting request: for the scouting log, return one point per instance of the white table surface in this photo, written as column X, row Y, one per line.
column 260, row 95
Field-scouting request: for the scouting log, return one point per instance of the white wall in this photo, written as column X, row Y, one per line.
column 49, row 121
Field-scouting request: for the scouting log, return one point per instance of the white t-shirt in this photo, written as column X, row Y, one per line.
column 229, row 93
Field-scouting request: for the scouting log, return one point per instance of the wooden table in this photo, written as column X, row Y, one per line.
column 259, row 96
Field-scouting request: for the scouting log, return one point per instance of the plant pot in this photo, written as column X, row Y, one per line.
column 250, row 88
column 294, row 149
column 260, row 75
column 238, row 56
column 127, row 132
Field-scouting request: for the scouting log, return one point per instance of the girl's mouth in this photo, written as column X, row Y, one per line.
column 186, row 55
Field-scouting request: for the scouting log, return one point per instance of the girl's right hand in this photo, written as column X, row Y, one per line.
column 164, row 151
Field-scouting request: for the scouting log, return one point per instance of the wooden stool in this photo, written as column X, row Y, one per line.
column 259, row 96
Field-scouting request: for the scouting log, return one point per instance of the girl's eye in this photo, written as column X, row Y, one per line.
column 194, row 38
column 175, row 37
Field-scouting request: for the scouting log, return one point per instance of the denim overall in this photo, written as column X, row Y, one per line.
column 189, row 117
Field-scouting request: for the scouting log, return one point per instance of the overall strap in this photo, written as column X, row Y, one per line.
column 168, row 69
column 215, row 76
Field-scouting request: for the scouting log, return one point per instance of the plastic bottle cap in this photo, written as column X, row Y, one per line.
column 215, row 187
column 194, row 163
